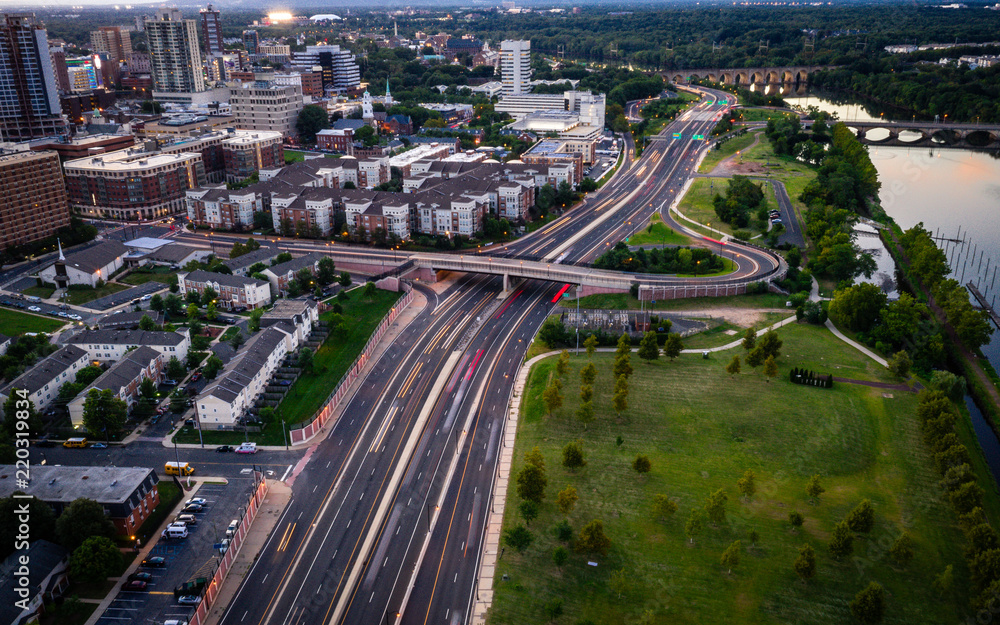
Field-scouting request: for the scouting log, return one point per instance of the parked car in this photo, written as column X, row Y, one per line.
column 98, row 446
column 233, row 526
column 187, row 519
column 175, row 622
column 189, row 600
column 134, row 585
column 170, row 382
column 34, row 309
column 195, row 376
column 155, row 561
column 201, row 501
column 141, row 577
column 193, row 507
column 224, row 449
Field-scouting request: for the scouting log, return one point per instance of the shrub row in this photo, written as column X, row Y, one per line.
column 809, row 378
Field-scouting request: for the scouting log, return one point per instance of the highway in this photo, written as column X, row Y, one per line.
column 388, row 512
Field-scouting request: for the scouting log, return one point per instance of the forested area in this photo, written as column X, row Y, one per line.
column 695, row 260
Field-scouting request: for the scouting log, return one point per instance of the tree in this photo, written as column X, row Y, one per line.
column 529, row 511
column 814, row 489
column 862, row 518
column 858, row 306
column 82, row 519
column 369, row 291
column 770, row 344
column 212, row 367
column 805, row 564
column 715, row 506
column 104, row 413
column 326, row 273
column 97, row 557
column 588, row 374
column 623, row 366
column 147, row 323
column 175, row 368
column 156, row 303
column 305, row 359
column 312, row 118
column 749, row 339
column 899, row 364
column 619, row 583
column 573, row 456
column 534, row 457
column 237, row 340
column 620, row 401
column 147, row 388
column 586, row 393
column 590, row 343
column 756, row 357
column 173, row 305
column 209, row 296
column 796, row 519
column 593, row 539
column 869, row 604
column 345, row 279
column 253, row 325
column 192, row 310
column 624, row 347
column 212, row 312
column 552, row 396
column 518, row 538
column 663, row 506
column 673, row 346
column 902, row 550
column 11, row 407
column 649, row 350
column 560, row 555
column 641, row 464
column 733, row 368
column 566, row 499
column 747, row 484
column 562, row 365
column 842, row 541
column 942, row 583
column 694, row 525
column 731, row 556
column 770, row 368
column 585, row 413
column 531, row 482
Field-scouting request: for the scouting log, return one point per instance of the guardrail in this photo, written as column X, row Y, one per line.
column 322, row 416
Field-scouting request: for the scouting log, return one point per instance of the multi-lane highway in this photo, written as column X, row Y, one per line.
column 388, row 511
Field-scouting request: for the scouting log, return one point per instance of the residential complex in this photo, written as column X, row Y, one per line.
column 280, row 275
column 123, row 378
column 233, row 291
column 44, row 379
column 112, row 40
column 173, row 50
column 112, row 345
column 29, row 96
column 34, row 197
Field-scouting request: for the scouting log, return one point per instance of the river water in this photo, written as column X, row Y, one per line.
column 956, row 194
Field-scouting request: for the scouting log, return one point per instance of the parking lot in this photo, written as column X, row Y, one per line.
column 186, row 559
column 126, row 296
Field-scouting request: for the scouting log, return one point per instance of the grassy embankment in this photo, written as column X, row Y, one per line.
column 702, row 430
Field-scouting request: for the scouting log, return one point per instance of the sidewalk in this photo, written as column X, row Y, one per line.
column 271, row 509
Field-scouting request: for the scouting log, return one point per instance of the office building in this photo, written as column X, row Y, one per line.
column 211, row 32
column 266, row 105
column 340, row 71
column 34, row 193
column 29, row 96
column 515, row 66
column 251, row 40
column 174, row 54
column 112, row 40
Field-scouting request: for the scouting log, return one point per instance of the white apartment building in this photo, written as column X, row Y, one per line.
column 174, row 53
column 112, row 345
column 42, row 381
column 515, row 66
column 222, row 208
column 266, row 106
column 233, row 291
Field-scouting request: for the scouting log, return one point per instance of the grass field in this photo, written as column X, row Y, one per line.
column 657, row 233
column 727, row 149
column 763, row 114
column 82, row 296
column 697, row 204
column 701, row 430
column 136, row 278
column 716, row 335
column 624, row 301
column 16, row 323
column 44, row 292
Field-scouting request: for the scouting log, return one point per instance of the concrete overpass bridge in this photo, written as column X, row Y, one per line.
column 927, row 134
column 746, row 76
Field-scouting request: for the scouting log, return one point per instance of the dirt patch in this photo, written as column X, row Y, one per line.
column 734, row 167
column 743, row 317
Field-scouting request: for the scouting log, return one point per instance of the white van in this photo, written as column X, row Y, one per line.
column 231, row 530
column 175, row 532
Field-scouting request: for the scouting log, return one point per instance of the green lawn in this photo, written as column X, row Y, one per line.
column 44, row 292
column 15, row 323
column 697, row 205
column 82, row 296
column 161, row 274
column 657, row 233
column 763, row 114
column 702, row 430
column 727, row 149
column 624, row 301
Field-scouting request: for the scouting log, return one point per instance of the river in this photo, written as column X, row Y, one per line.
column 947, row 190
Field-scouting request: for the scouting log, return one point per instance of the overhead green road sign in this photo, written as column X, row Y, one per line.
column 723, row 101
column 677, row 135
column 699, row 137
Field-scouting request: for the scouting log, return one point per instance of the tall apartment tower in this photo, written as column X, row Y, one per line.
column 174, row 53
column 112, row 40
column 515, row 66
column 211, row 32
column 251, row 41
column 29, row 96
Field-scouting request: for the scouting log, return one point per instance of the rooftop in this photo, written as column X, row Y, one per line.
column 128, row 337
column 64, row 484
column 222, row 279
column 130, row 160
column 46, row 370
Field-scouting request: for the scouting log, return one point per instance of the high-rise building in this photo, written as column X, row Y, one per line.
column 112, row 40
column 339, row 70
column 174, row 53
column 251, row 40
column 58, row 56
column 34, row 193
column 29, row 96
column 515, row 66
column 211, row 31
column 266, row 105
